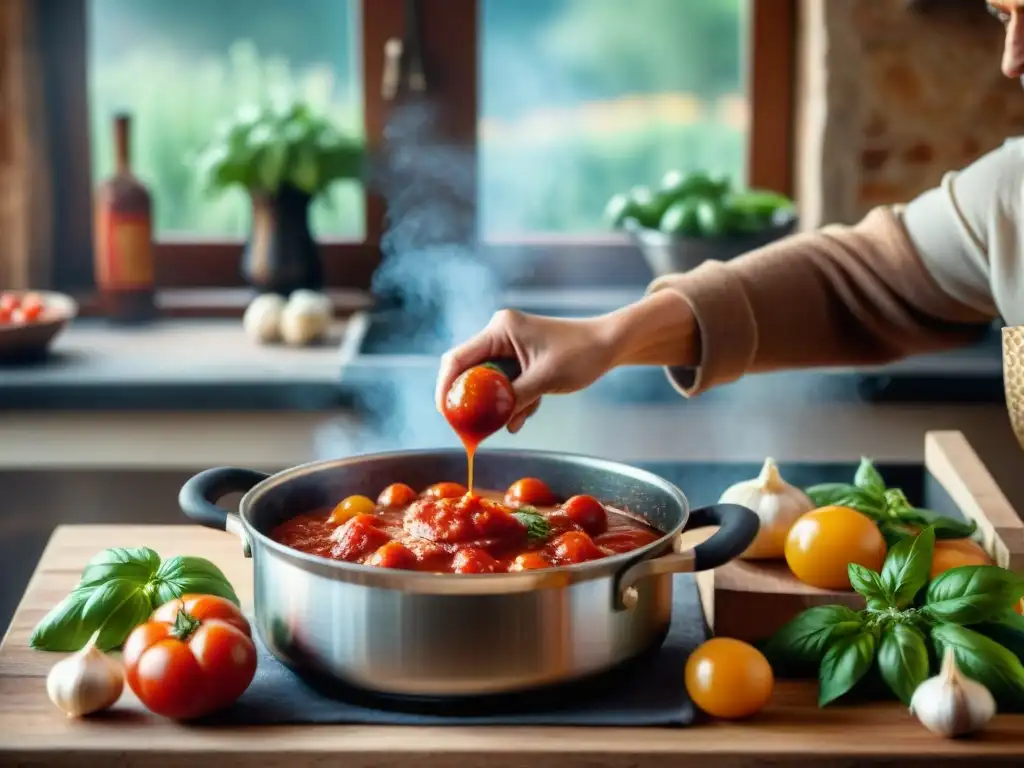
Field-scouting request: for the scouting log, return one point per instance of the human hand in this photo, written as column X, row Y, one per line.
column 556, row 356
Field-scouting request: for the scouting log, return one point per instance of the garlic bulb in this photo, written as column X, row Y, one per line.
column 778, row 505
column 952, row 704
column 306, row 318
column 85, row 682
column 262, row 319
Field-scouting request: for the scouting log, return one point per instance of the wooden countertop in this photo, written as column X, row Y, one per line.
column 791, row 729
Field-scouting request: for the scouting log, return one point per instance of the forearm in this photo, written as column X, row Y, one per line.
column 844, row 295
column 660, row 329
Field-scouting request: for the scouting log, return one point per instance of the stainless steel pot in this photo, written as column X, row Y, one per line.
column 455, row 635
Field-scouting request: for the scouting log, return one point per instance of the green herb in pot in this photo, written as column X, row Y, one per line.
column 537, row 526
column 904, row 612
column 896, row 518
column 118, row 590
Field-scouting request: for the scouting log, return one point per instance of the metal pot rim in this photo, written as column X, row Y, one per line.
column 461, row 584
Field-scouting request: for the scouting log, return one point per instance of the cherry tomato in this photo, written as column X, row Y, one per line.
column 824, row 541
column 575, row 547
column 1019, row 607
column 357, row 537
column 529, row 561
column 588, row 513
column 445, row 491
column 473, row 560
column 394, row 554
column 193, row 664
column 396, row 495
column 10, row 301
column 350, row 507
column 479, row 403
column 953, row 553
column 530, row 491
column 728, row 678
column 5, row 315
column 31, row 307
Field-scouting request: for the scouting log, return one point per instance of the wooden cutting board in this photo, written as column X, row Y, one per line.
column 753, row 599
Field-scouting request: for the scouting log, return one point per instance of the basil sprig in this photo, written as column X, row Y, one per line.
column 118, row 590
column 888, row 507
column 537, row 526
column 968, row 609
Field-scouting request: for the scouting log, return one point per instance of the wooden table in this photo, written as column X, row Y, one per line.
column 791, row 730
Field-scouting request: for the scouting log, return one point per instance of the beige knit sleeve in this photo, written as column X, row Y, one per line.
column 843, row 295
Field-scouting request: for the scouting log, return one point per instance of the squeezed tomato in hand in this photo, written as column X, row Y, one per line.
column 478, row 404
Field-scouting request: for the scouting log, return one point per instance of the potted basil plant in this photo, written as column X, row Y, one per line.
column 285, row 156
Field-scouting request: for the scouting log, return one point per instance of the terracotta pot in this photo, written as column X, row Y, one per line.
column 281, row 255
column 1013, row 374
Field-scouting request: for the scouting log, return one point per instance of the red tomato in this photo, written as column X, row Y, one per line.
column 529, row 561
column 10, row 302
column 530, row 491
column 194, row 656
column 394, row 554
column 31, row 307
column 473, row 560
column 5, row 315
column 445, row 491
column 575, row 547
column 479, row 403
column 358, row 536
column 588, row 513
column 396, row 495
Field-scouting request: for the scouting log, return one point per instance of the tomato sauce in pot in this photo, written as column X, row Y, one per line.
column 445, row 529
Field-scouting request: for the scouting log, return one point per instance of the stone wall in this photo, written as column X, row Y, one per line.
column 891, row 99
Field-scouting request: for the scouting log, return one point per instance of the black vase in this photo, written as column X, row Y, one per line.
column 281, row 255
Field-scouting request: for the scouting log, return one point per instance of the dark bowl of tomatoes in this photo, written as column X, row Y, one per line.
column 30, row 321
column 383, row 574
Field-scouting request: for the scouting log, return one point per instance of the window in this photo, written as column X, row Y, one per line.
column 581, row 99
column 557, row 103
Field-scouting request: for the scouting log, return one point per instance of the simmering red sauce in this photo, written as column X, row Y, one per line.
column 472, row 533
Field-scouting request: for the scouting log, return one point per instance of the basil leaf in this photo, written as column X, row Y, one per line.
column 135, row 565
column 869, row 584
column 843, row 495
column 903, row 659
column 868, row 478
column 537, row 526
column 847, row 660
column 111, row 594
column 116, row 608
column 908, row 566
column 62, row 629
column 801, row 642
column 1007, row 630
column 984, row 660
column 971, row 594
column 945, row 527
column 184, row 575
column 894, row 532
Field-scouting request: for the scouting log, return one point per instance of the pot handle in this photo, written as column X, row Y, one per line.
column 199, row 495
column 738, row 528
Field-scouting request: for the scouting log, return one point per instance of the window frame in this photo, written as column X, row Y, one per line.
column 449, row 41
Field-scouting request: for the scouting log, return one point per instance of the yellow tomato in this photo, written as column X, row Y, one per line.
column 1020, row 606
column 352, row 506
column 823, row 542
column 954, row 553
column 728, row 678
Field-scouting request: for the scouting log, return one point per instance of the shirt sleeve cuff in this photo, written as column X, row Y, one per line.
column 725, row 319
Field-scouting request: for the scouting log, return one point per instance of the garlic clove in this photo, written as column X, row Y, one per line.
column 777, row 504
column 262, row 319
column 85, row 682
column 952, row 704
